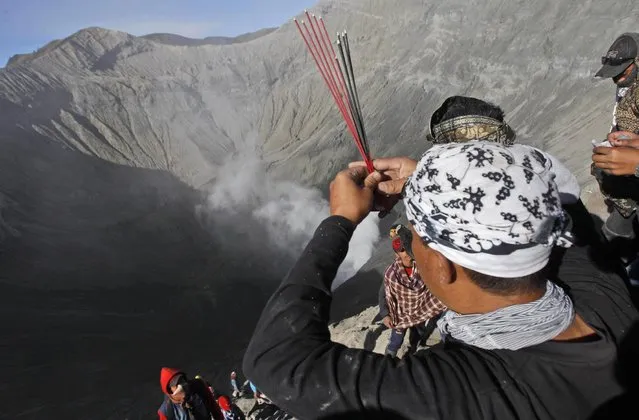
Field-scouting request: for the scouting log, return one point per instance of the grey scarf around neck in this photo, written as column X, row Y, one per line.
column 513, row 327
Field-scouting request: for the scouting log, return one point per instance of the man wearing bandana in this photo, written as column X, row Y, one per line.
column 406, row 305
column 521, row 342
column 460, row 119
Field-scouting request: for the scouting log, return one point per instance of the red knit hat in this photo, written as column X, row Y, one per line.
column 397, row 244
column 167, row 377
column 224, row 403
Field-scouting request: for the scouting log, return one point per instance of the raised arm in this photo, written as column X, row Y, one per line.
column 291, row 356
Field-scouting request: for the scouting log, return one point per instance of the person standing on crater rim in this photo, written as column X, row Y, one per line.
column 616, row 168
column 518, row 345
column 405, row 303
column 236, row 389
column 621, row 64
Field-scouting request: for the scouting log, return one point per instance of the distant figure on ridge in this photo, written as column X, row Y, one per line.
column 257, row 395
column 236, row 390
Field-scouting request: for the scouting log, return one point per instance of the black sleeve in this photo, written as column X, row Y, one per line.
column 381, row 297
column 601, row 296
column 292, row 360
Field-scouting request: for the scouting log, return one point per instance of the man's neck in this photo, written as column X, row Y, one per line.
column 488, row 302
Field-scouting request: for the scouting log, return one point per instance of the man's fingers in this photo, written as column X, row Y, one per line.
column 623, row 142
column 602, row 150
column 601, row 159
column 357, row 164
column 624, row 139
column 385, row 164
column 375, row 180
column 604, row 162
column 621, row 135
column 381, row 164
column 356, row 174
column 606, row 165
column 404, row 166
column 394, row 167
column 633, row 143
column 391, row 187
column 372, row 180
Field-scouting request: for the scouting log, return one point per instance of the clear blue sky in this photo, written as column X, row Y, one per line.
column 26, row 25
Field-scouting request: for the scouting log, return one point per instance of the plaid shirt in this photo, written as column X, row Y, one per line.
column 409, row 300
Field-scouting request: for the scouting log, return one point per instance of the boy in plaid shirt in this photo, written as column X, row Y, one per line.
column 404, row 300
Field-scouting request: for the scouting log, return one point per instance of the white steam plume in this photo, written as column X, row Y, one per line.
column 289, row 212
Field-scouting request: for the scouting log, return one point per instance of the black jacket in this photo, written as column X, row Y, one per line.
column 292, row 359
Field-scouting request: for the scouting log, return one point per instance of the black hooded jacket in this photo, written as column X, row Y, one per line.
column 292, row 359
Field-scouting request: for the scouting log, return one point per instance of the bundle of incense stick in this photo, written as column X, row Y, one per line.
column 338, row 75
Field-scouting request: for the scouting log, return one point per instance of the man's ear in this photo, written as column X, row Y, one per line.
column 445, row 271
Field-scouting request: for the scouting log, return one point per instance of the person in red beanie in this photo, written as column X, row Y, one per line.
column 186, row 399
column 230, row 410
column 406, row 304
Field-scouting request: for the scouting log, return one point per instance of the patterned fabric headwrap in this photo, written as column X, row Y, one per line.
column 472, row 127
column 487, row 207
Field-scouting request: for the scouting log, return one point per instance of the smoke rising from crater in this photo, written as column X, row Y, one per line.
column 287, row 211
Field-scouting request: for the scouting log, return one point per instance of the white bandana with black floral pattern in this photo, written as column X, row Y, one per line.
column 487, row 207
